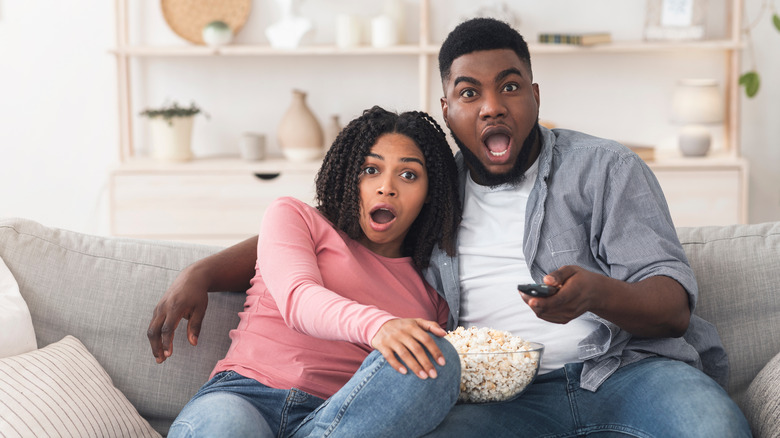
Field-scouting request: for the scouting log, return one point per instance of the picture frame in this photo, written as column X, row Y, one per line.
column 675, row 20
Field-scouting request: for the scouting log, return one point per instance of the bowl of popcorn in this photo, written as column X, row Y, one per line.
column 495, row 365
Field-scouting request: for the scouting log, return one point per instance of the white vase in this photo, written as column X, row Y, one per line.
column 171, row 139
column 300, row 134
column 288, row 32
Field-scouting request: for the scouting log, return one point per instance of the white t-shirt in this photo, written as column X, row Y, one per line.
column 492, row 264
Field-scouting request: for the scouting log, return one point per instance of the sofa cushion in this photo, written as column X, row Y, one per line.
column 17, row 335
column 762, row 401
column 103, row 291
column 61, row 390
column 736, row 268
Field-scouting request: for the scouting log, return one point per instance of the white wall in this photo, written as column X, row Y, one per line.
column 58, row 111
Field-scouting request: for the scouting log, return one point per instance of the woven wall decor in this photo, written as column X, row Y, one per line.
column 187, row 18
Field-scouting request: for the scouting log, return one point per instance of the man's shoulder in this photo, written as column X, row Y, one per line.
column 570, row 141
column 587, row 152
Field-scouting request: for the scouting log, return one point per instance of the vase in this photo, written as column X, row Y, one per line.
column 171, row 138
column 332, row 130
column 299, row 134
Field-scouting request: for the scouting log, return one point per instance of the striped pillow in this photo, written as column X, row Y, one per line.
column 61, row 390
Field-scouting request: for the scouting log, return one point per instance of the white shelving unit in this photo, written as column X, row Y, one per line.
column 158, row 200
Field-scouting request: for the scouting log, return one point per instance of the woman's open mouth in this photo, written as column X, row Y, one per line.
column 381, row 217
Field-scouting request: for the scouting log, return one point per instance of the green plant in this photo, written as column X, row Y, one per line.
column 170, row 111
column 751, row 80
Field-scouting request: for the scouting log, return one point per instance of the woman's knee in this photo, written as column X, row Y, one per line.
column 220, row 414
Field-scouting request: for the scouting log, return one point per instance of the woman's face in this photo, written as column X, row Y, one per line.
column 393, row 187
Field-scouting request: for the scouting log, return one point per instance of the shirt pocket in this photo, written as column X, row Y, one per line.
column 571, row 247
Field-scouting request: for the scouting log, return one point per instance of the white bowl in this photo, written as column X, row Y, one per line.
column 498, row 376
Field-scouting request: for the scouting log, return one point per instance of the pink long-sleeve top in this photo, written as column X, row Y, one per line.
column 316, row 301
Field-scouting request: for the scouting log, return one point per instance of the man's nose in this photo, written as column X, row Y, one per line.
column 492, row 106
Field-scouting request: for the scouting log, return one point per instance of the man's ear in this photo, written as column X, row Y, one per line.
column 444, row 108
column 536, row 94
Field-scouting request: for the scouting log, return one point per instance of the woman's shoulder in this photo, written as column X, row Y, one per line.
column 289, row 207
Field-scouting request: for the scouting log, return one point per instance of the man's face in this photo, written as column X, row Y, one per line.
column 492, row 107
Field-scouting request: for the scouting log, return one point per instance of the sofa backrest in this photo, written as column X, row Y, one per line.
column 737, row 268
column 103, row 292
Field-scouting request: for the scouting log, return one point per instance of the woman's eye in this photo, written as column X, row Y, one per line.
column 468, row 93
column 409, row 175
column 511, row 87
column 370, row 170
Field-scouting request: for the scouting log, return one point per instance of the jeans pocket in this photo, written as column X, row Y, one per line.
column 299, row 409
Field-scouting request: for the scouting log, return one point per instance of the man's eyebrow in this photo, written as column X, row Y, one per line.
column 469, row 79
column 508, row 72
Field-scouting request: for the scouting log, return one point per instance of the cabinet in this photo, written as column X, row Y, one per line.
column 220, row 200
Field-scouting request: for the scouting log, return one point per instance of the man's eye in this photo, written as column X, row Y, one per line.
column 468, row 93
column 511, row 87
column 409, row 175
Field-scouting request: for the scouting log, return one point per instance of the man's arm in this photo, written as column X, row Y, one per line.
column 187, row 297
column 654, row 307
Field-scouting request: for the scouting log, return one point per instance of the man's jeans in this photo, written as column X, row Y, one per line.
column 655, row 397
column 377, row 402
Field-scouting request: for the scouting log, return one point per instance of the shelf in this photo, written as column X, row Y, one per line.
column 409, row 49
column 262, row 50
column 228, row 164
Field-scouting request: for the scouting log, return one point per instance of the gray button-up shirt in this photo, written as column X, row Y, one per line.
column 596, row 205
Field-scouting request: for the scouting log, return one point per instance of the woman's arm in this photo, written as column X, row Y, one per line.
column 187, row 297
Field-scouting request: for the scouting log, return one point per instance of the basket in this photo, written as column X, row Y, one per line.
column 187, row 18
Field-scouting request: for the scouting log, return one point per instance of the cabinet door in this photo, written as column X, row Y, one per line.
column 205, row 207
column 703, row 197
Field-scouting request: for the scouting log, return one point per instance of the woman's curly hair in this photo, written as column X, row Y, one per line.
column 338, row 195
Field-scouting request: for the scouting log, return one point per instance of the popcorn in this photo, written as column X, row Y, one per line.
column 495, row 365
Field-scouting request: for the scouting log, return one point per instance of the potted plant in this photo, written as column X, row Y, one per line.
column 171, row 131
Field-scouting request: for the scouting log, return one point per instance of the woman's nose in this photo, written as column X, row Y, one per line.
column 387, row 188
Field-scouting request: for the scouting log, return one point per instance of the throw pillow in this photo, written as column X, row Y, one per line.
column 17, row 335
column 61, row 390
column 762, row 401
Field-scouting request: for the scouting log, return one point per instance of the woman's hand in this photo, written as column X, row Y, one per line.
column 187, row 297
column 407, row 339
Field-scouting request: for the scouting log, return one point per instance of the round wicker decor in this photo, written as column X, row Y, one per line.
column 188, row 17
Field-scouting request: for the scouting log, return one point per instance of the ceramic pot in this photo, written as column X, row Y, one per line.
column 332, row 130
column 299, row 134
column 171, row 139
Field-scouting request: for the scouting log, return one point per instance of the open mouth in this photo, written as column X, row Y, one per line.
column 382, row 216
column 497, row 141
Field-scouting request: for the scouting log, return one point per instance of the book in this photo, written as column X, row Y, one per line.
column 578, row 39
column 646, row 153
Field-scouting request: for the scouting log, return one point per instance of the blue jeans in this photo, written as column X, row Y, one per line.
column 655, row 397
column 377, row 401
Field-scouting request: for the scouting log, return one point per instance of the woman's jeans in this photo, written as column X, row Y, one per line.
column 377, row 402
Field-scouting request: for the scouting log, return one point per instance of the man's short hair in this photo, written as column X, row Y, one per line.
column 480, row 34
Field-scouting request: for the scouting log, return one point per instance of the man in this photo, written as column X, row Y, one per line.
column 577, row 212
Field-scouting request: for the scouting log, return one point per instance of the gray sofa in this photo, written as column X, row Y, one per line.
column 103, row 290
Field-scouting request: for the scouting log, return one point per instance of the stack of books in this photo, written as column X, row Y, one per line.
column 579, row 39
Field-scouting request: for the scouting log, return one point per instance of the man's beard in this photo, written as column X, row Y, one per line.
column 514, row 176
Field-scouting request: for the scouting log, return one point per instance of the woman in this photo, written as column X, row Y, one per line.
column 336, row 282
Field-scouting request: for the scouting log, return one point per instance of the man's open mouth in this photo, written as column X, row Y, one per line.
column 497, row 140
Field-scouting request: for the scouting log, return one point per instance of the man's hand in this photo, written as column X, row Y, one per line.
column 653, row 307
column 408, row 339
column 186, row 298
